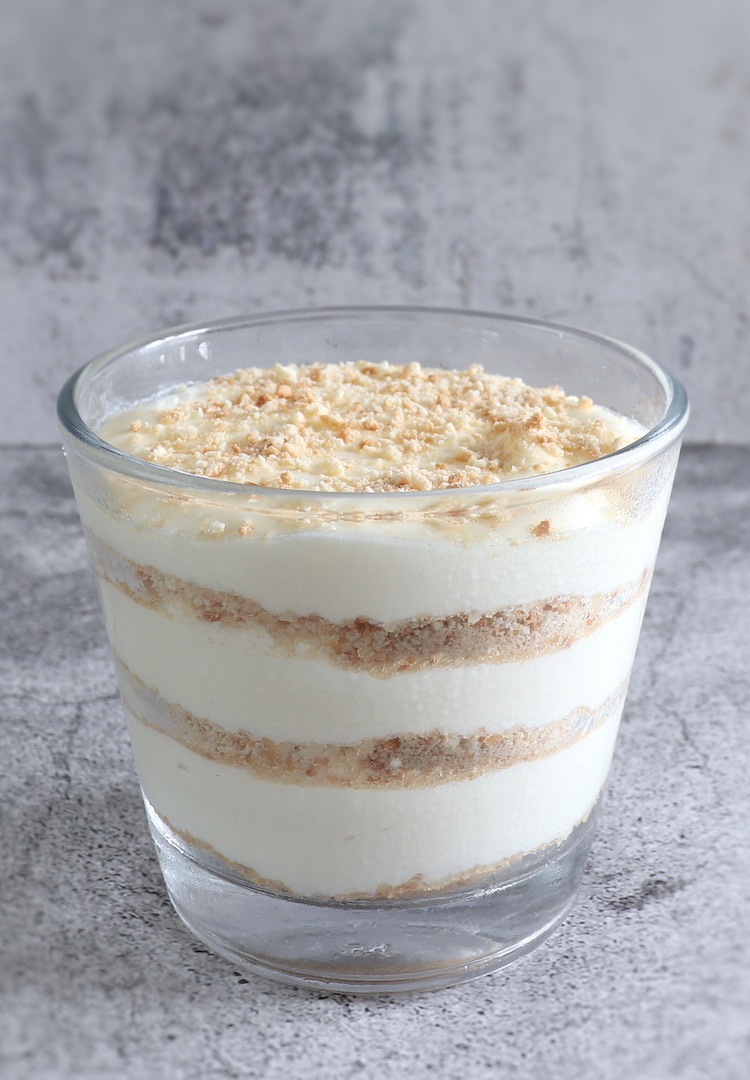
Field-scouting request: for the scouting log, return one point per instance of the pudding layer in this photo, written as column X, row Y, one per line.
column 333, row 841
column 242, row 682
column 518, row 633
column 384, row 570
column 405, row 760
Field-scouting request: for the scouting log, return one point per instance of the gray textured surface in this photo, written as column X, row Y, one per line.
column 187, row 159
column 649, row 978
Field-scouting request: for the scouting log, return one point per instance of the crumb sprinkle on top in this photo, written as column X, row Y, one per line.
column 368, row 427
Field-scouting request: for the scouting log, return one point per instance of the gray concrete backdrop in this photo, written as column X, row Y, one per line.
column 182, row 159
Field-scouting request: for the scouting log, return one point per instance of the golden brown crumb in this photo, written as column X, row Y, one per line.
column 508, row 635
column 400, row 761
column 369, row 427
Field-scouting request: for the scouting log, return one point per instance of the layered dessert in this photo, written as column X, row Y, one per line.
column 354, row 666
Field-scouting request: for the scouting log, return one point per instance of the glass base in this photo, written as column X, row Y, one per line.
column 373, row 946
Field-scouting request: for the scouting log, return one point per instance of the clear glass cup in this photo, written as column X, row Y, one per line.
column 372, row 731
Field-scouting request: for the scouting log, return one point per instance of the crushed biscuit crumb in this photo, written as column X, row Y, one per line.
column 369, row 427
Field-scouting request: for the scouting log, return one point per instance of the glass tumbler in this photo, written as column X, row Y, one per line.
column 373, row 730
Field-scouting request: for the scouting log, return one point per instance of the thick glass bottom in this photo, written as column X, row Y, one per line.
column 373, row 946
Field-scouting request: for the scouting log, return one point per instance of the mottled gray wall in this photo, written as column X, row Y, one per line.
column 169, row 161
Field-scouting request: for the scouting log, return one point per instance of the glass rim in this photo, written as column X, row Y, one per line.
column 655, row 440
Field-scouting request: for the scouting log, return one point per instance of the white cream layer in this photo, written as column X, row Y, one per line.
column 334, row 841
column 359, row 571
column 240, row 681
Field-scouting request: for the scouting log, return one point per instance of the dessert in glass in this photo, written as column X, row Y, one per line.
column 373, row 585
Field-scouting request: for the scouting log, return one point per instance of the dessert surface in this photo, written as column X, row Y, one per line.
column 368, row 427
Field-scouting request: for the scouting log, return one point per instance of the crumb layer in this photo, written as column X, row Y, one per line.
column 485, row 876
column 512, row 634
column 404, row 760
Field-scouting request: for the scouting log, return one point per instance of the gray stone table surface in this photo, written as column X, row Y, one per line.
column 649, row 977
